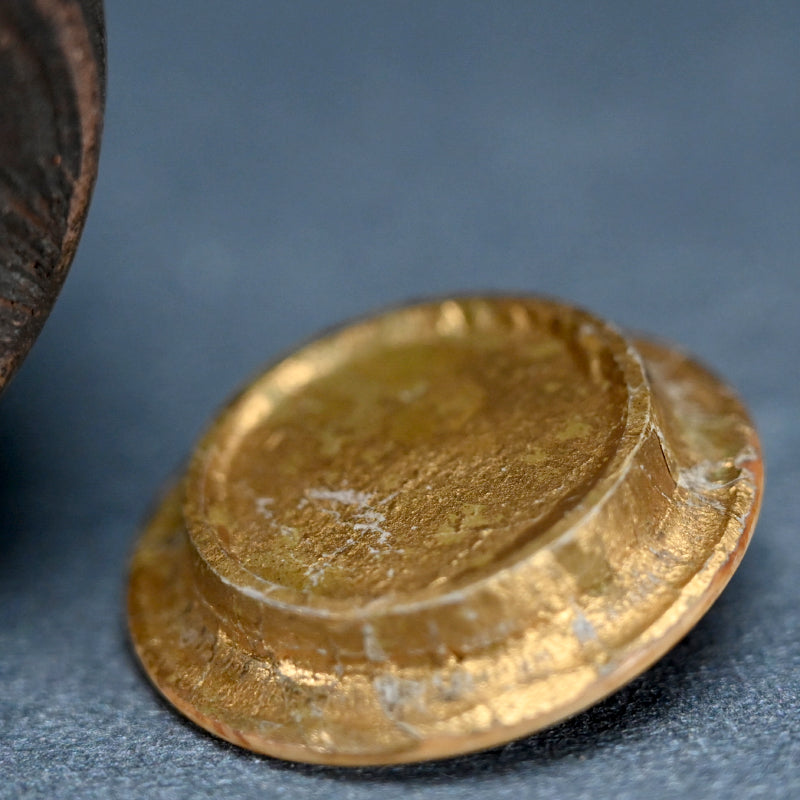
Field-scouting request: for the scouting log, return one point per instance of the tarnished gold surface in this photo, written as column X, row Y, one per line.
column 439, row 529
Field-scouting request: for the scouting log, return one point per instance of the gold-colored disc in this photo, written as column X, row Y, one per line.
column 440, row 529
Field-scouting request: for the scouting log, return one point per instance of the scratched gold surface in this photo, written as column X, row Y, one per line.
column 439, row 529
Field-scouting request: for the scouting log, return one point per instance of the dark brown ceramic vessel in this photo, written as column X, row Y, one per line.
column 52, row 91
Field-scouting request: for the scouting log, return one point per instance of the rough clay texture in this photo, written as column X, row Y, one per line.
column 52, row 74
column 268, row 171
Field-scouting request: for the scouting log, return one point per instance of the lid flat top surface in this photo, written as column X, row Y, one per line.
column 415, row 450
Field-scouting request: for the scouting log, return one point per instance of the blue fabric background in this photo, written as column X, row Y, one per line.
column 270, row 169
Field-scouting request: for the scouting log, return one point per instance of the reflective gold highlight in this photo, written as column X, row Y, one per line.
column 439, row 529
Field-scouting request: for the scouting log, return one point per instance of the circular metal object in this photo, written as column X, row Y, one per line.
column 439, row 529
column 52, row 88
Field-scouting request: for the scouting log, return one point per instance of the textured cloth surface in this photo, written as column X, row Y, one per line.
column 270, row 169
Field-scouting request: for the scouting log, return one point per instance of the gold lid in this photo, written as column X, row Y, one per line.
column 440, row 529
